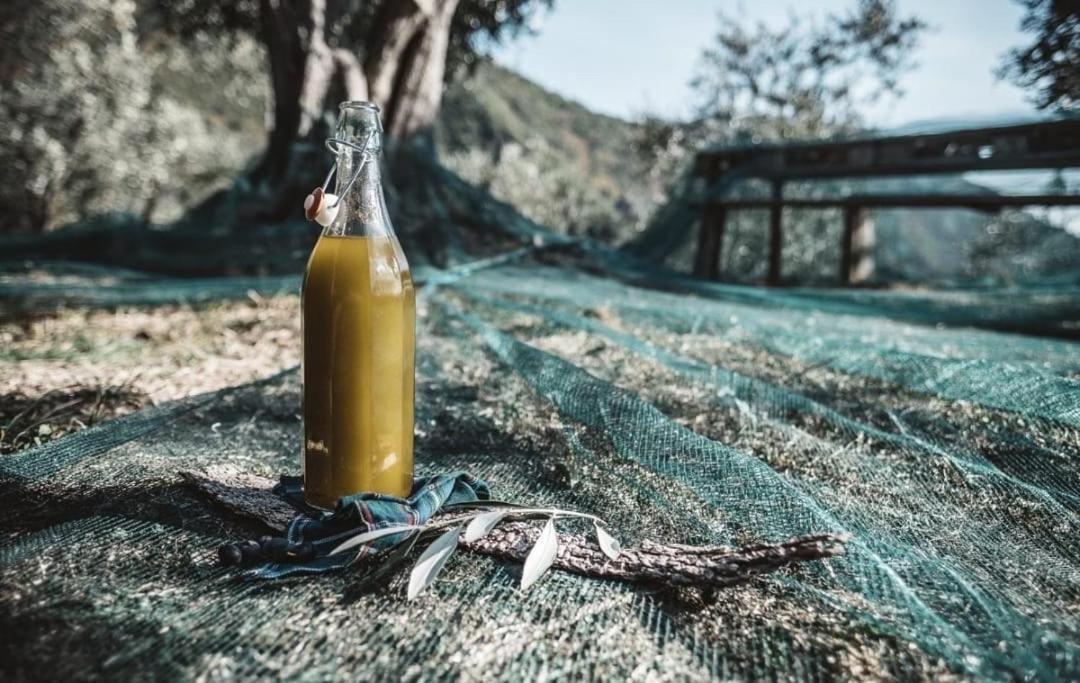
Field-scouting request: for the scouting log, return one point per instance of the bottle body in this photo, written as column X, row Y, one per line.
column 359, row 312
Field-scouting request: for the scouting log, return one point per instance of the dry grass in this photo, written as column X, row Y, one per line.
column 70, row 369
column 30, row 421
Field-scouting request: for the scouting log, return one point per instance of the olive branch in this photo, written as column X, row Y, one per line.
column 509, row 532
column 477, row 525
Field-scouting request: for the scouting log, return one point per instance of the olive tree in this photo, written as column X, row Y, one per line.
column 804, row 79
column 1050, row 65
column 92, row 130
column 396, row 53
column 69, row 103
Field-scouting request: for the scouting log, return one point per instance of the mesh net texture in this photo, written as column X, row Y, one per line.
column 730, row 415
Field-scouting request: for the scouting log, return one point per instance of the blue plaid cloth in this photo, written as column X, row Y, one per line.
column 361, row 513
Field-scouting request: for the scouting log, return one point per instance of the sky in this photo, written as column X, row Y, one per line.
column 630, row 57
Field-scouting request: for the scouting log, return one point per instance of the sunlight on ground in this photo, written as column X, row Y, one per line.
column 67, row 370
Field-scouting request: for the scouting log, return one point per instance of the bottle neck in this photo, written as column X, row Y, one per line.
column 362, row 211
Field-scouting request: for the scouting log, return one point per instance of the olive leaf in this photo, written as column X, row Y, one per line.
column 608, row 543
column 482, row 524
column 360, row 539
column 431, row 561
column 541, row 556
column 377, row 574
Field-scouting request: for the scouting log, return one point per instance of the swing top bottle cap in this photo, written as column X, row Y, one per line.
column 321, row 207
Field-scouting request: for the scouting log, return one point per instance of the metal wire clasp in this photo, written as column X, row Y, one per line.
column 334, row 145
column 321, row 206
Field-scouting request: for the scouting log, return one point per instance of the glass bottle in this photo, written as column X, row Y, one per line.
column 359, row 319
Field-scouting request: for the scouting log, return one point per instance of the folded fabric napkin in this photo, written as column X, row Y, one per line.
column 314, row 533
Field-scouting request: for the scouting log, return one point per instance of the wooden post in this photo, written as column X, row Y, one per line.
column 776, row 236
column 845, row 244
column 857, row 249
column 710, row 241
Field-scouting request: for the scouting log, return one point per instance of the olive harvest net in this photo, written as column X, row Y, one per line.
column 676, row 410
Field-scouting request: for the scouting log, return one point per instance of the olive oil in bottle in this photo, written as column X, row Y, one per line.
column 359, row 317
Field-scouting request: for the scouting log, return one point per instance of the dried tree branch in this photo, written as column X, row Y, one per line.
column 664, row 564
column 672, row 565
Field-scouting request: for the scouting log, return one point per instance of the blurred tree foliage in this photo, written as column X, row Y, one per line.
column 555, row 161
column 805, row 79
column 537, row 180
column 94, row 129
column 1049, row 66
column 86, row 130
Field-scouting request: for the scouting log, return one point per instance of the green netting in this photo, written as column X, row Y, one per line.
column 951, row 454
column 52, row 285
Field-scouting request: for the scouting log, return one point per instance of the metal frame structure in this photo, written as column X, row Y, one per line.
column 1043, row 145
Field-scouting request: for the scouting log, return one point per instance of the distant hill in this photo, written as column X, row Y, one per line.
column 947, row 123
column 559, row 163
column 958, row 245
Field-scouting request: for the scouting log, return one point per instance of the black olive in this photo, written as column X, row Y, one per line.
column 276, row 549
column 251, row 552
column 229, row 555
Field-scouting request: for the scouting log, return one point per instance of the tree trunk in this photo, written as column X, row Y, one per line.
column 413, row 103
column 402, row 72
column 395, row 26
column 323, row 63
column 283, row 25
column 406, row 62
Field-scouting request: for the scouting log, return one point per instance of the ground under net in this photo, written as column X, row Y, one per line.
column 951, row 455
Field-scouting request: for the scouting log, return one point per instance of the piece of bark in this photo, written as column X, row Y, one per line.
column 665, row 564
column 247, row 495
